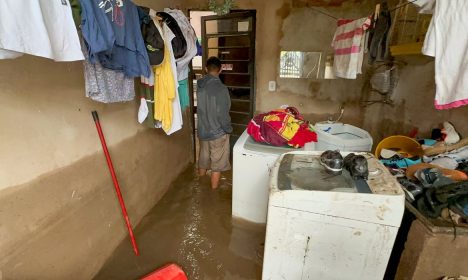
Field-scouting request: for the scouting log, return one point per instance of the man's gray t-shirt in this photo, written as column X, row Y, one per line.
column 213, row 105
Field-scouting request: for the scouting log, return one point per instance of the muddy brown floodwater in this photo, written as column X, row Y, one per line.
column 192, row 226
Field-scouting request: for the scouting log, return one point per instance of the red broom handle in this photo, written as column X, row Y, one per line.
column 116, row 182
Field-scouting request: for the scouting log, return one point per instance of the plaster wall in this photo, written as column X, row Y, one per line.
column 413, row 104
column 295, row 25
column 59, row 215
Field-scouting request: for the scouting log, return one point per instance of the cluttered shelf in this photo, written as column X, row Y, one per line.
column 409, row 30
column 433, row 174
column 436, row 225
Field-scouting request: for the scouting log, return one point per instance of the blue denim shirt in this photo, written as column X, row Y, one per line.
column 111, row 29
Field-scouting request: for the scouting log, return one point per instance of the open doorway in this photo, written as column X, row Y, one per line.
column 231, row 38
column 196, row 72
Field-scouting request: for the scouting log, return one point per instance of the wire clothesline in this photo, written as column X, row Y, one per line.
column 336, row 18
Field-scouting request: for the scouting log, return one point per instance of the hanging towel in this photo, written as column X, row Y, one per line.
column 166, row 102
column 447, row 41
column 177, row 120
column 164, row 91
column 348, row 43
column 111, row 29
column 146, row 89
column 190, row 38
column 41, row 27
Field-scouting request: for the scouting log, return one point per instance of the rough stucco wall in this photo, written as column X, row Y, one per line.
column 305, row 29
column 414, row 104
column 293, row 25
column 65, row 224
column 59, row 214
column 46, row 121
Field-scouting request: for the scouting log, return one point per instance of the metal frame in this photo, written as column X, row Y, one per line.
column 251, row 61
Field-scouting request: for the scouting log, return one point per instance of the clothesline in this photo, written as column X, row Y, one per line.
column 336, row 18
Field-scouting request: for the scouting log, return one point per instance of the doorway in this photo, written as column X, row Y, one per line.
column 231, row 38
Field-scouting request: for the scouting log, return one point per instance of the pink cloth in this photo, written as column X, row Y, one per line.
column 348, row 44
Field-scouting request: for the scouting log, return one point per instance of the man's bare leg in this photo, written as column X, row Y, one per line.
column 215, row 177
column 201, row 172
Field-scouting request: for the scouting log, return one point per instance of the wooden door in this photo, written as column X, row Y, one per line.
column 231, row 38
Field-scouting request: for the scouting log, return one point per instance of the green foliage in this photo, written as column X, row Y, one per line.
column 221, row 9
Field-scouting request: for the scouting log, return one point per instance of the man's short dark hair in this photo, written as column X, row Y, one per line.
column 213, row 64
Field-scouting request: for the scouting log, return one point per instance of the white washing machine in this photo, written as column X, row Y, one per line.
column 325, row 227
column 252, row 163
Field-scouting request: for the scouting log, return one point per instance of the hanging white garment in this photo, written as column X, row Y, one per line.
column 425, row 6
column 41, row 27
column 447, row 41
column 143, row 110
column 177, row 120
column 190, row 38
column 168, row 35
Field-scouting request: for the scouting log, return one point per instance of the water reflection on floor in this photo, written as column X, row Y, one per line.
column 192, row 226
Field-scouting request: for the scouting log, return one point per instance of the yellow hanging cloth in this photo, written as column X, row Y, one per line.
column 164, row 90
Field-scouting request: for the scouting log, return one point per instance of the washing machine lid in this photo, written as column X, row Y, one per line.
column 253, row 146
column 304, row 172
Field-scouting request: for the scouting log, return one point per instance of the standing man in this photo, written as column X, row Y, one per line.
column 214, row 123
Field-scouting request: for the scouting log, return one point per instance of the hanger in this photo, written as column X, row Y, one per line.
column 377, row 12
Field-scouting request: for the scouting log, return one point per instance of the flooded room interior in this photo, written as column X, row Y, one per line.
column 233, row 139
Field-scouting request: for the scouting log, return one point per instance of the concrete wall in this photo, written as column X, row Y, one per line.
column 59, row 215
column 414, row 104
column 291, row 25
column 295, row 25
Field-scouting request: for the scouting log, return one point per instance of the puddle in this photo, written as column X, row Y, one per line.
column 192, row 226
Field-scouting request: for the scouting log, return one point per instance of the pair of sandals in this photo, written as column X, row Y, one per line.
column 333, row 162
column 428, row 178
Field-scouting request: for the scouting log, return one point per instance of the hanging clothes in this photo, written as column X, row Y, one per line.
column 190, row 37
column 447, row 41
column 42, row 28
column 166, row 98
column 184, row 94
column 147, row 95
column 348, row 43
column 179, row 45
column 378, row 44
column 199, row 48
column 76, row 12
column 425, row 6
column 111, row 29
column 154, row 41
column 106, row 85
column 177, row 120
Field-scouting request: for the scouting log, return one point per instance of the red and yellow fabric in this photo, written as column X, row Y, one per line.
column 281, row 127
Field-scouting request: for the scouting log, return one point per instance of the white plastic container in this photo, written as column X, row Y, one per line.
column 342, row 137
